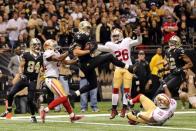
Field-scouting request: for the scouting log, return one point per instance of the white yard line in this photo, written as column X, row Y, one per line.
column 24, row 118
column 93, row 115
column 122, row 125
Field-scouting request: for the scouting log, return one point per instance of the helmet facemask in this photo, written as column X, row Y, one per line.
column 174, row 42
column 35, row 46
column 162, row 101
column 85, row 27
column 116, row 35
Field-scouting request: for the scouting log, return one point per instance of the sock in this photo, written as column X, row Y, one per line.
column 77, row 93
column 126, row 66
column 126, row 91
column 71, row 115
column 136, row 99
column 56, row 102
column 67, row 106
column 115, row 97
column 9, row 109
column 46, row 109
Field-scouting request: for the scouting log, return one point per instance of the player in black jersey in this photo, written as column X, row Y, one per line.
column 29, row 68
column 177, row 62
column 82, row 47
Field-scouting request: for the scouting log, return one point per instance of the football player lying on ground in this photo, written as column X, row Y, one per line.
column 52, row 60
column 154, row 113
column 121, row 48
column 82, row 47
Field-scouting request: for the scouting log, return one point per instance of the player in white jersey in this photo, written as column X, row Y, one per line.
column 52, row 60
column 121, row 47
column 154, row 113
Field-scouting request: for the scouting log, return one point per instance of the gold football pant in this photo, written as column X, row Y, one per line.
column 55, row 86
column 122, row 76
column 148, row 106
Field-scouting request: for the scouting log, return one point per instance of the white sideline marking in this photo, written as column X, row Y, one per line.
column 93, row 115
column 122, row 125
column 23, row 118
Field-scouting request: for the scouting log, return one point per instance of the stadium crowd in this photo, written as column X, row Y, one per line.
column 58, row 19
column 159, row 20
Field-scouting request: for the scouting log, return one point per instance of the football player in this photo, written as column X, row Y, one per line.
column 154, row 113
column 29, row 67
column 121, row 47
column 177, row 61
column 52, row 60
column 82, row 47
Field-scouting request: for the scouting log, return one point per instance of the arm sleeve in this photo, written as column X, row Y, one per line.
column 48, row 54
column 104, row 48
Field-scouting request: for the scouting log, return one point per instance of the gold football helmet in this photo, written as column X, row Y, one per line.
column 162, row 101
column 85, row 27
column 35, row 45
column 174, row 42
column 116, row 35
column 50, row 45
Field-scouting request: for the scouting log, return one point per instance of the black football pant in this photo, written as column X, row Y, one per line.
column 88, row 68
column 172, row 81
column 31, row 85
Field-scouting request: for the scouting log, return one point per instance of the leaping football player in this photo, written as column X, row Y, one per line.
column 82, row 47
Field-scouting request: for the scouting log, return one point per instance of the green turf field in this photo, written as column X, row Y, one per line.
column 184, row 120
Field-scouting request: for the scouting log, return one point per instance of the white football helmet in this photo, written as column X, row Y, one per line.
column 116, row 35
column 174, row 42
column 85, row 27
column 35, row 45
column 162, row 101
column 50, row 45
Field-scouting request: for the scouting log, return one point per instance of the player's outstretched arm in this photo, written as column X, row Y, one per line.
column 58, row 58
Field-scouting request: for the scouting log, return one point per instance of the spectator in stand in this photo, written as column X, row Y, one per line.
column 183, row 30
column 61, row 12
column 169, row 29
column 3, row 32
column 49, row 32
column 33, row 25
column 168, row 5
column 13, row 30
column 103, row 31
column 76, row 14
column 22, row 23
column 154, row 32
column 65, row 36
column 193, row 17
column 144, row 30
column 154, row 11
